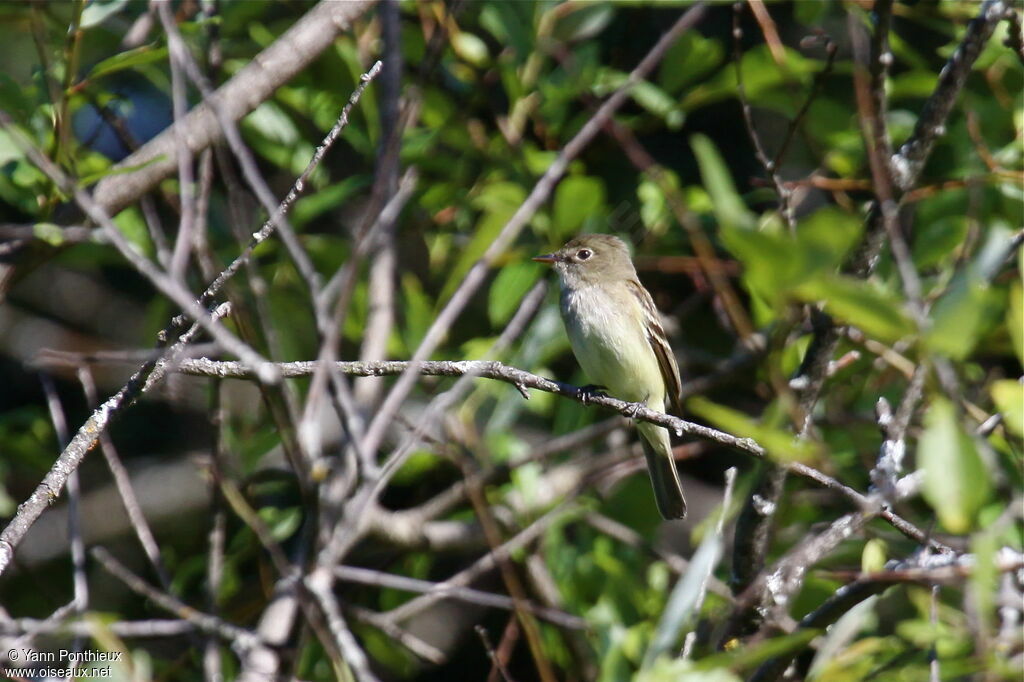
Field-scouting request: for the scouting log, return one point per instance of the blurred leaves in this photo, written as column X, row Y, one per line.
column 956, row 483
column 495, row 90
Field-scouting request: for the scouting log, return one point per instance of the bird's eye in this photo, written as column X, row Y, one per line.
column 584, row 254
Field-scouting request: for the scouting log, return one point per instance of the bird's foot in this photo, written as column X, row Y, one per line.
column 634, row 409
column 587, row 392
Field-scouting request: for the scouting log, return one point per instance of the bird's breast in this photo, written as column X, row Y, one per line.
column 609, row 342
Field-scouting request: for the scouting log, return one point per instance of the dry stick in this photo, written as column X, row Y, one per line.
column 497, row 665
column 524, row 380
column 409, row 522
column 319, row 584
column 49, row 488
column 87, row 628
column 212, row 668
column 251, row 86
column 380, row 318
column 153, row 370
column 540, row 193
column 509, row 575
column 124, row 486
column 239, row 638
column 330, row 324
column 154, row 274
column 935, row 570
column 907, row 165
column 80, row 601
column 425, row 650
column 366, row 576
column 60, row 425
column 263, row 193
column 770, row 167
column 755, row 523
column 930, row 125
column 482, row 565
column 344, row 536
column 186, row 171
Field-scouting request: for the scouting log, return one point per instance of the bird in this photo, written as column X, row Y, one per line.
column 617, row 337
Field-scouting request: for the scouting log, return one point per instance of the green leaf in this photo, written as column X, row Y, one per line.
column 956, row 484
column 874, row 555
column 9, row 151
column 470, row 48
column 685, row 598
column 508, row 290
column 129, row 59
column 1008, row 396
column 97, row 11
column 764, row 82
column 745, row 657
column 576, row 198
column 1015, row 319
column 418, row 311
column 499, row 200
column 282, row 523
column 313, row 205
column 862, row 304
column 729, row 208
column 648, row 95
column 48, row 232
column 690, row 58
column 959, row 317
column 936, row 239
column 780, row 444
column 582, row 21
column 131, row 224
column 676, row 669
column 827, row 235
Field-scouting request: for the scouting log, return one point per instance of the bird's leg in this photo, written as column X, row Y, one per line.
column 590, row 390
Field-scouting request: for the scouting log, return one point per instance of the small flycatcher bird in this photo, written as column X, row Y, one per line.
column 617, row 337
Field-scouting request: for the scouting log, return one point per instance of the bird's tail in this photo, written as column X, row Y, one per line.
column 668, row 490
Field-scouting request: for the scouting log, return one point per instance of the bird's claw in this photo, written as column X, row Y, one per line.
column 587, row 392
column 634, row 410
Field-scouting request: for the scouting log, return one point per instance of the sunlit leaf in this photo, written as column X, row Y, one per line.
column 1015, row 319
column 862, row 304
column 729, row 207
column 780, row 444
column 98, row 11
column 1009, row 398
column 508, row 289
column 583, row 21
column 576, row 198
column 129, row 59
column 470, row 48
column 956, row 483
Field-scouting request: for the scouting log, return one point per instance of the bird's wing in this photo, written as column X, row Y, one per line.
column 659, row 344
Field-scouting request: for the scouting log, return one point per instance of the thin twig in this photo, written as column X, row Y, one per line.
column 537, row 197
column 240, row 638
column 124, row 486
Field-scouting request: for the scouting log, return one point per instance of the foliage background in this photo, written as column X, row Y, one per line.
column 491, row 92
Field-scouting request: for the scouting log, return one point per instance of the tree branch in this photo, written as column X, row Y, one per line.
column 250, row 87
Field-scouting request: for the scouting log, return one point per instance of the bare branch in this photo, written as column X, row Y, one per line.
column 253, row 84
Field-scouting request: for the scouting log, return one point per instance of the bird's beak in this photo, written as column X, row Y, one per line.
column 547, row 259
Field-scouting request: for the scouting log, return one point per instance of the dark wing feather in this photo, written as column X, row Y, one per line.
column 659, row 344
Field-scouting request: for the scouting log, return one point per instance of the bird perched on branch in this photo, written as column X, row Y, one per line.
column 617, row 337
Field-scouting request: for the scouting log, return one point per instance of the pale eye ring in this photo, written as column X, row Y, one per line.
column 584, row 254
